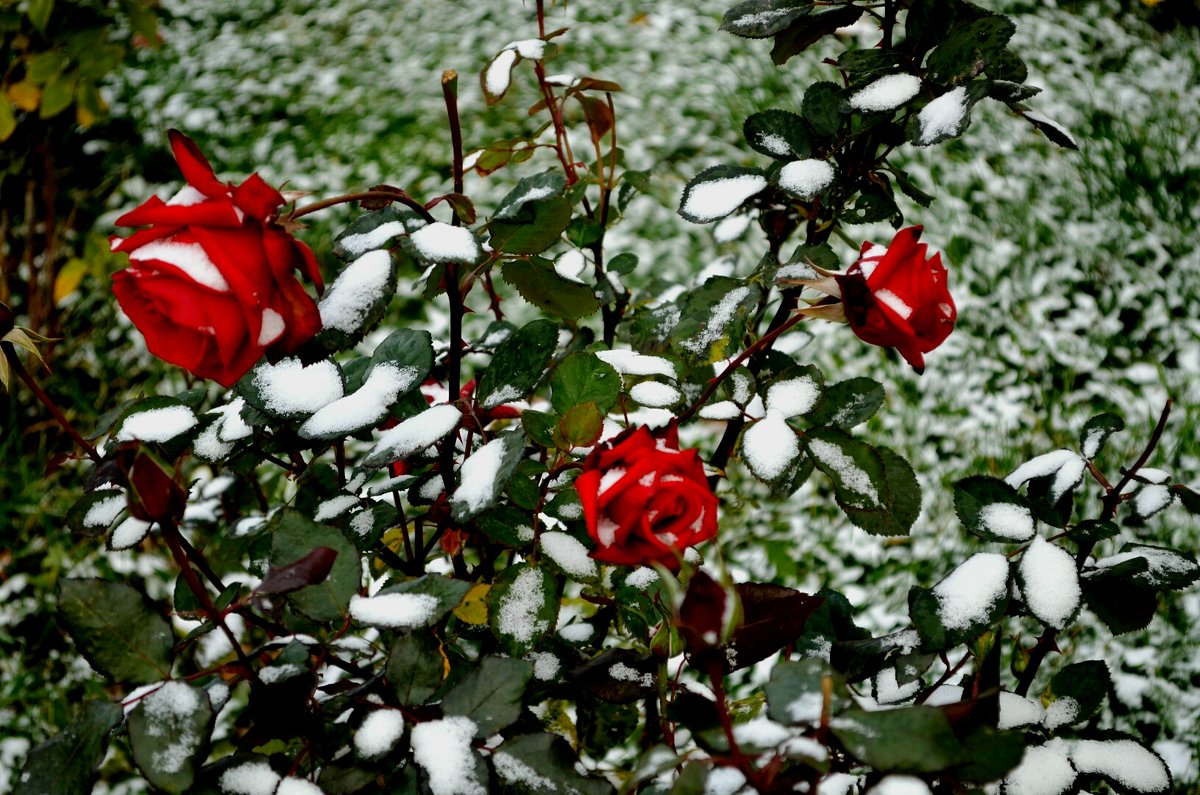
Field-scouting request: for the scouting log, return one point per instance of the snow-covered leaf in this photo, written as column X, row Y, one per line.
column 375, row 230
column 969, row 48
column 169, row 732
column 760, row 19
column 357, row 299
column 713, row 319
column 1049, row 583
column 517, row 365
column 964, row 603
column 531, row 763
column 290, row 389
column 1083, row 686
column 875, row 487
column 993, row 510
column 522, row 607
column 716, row 192
column 848, row 403
column 484, row 474
column 1096, row 431
column 67, row 761
column 780, row 134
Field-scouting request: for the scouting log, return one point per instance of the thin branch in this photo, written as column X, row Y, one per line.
column 14, row 361
column 395, row 195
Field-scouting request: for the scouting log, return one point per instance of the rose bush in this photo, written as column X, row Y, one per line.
column 210, row 283
column 896, row 297
column 645, row 500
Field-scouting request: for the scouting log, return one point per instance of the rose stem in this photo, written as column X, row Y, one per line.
column 15, row 361
column 1112, row 498
column 395, row 194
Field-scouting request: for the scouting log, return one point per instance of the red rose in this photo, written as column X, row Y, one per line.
column 897, row 298
column 645, row 500
column 210, row 283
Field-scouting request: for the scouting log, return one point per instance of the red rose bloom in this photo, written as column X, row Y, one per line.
column 645, row 500
column 895, row 297
column 210, row 283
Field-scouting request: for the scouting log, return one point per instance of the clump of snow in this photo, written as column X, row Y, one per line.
column 378, row 733
column 478, row 476
column 515, row 772
column 530, row 49
column 128, row 533
column 394, row 610
column 1007, row 520
column 290, row 387
column 569, row 554
column 837, row 784
column 1068, row 465
column 942, row 118
column 888, row 689
column 792, row 397
column 359, row 244
column 1043, row 769
column 1123, row 762
column 1017, row 711
column 900, row 785
column 806, row 178
column 1152, row 475
column 443, row 749
column 731, row 228
column 970, row 592
column 708, row 201
column 577, row 633
column 347, row 302
column 655, row 394
column 518, row 614
column 335, row 506
column 721, row 410
column 169, row 712
column 1151, row 499
column 157, row 425
column 851, row 475
column 622, row 672
column 769, row 446
column 105, row 510
column 886, row 93
column 1063, row 711
column 367, row 404
column 1050, row 583
column 545, row 665
column 215, row 442
column 634, row 363
column 714, row 329
column 297, row 786
column 761, row 733
column 445, row 243
column 251, row 778
column 499, row 72
column 416, row 433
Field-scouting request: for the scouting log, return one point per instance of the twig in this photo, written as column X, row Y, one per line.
column 395, row 194
column 17, row 367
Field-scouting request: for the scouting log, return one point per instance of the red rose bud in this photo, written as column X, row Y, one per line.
column 156, row 493
column 211, row 282
column 702, row 615
column 895, row 297
column 645, row 500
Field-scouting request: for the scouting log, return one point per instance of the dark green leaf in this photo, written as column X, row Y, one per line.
column 484, row 475
column 550, row 759
column 1011, row 93
column 490, row 694
column 759, row 19
column 848, row 403
column 969, row 49
column 795, row 693
column 544, row 287
column 583, row 232
column 1093, row 530
column 519, row 204
column 374, row 230
column 522, row 607
column 912, row 740
column 927, row 23
column 909, row 188
column 824, row 108
column 991, row 753
column 294, row 536
column 807, row 29
column 875, row 202
column 712, row 320
column 518, row 364
column 95, row 512
column 448, row 592
column 623, row 263
column 540, row 426
column 1085, row 682
column 58, row 95
column 876, row 488
column 777, row 133
column 1096, row 431
column 1188, row 498
column 169, row 732
column 405, row 348
column 66, row 763
column 993, row 510
column 1122, row 606
column 39, row 12
column 583, row 378
column 1166, row 569
column 116, row 629
column 716, row 192
column 415, row 668
column 580, row 426
column 1008, row 66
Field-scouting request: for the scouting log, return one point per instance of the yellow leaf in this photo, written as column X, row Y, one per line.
column 25, row 95
column 69, row 278
column 84, row 116
column 473, row 608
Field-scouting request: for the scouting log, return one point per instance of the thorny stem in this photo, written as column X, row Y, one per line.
column 450, row 94
column 1112, row 498
column 15, row 362
column 394, row 194
column 453, row 290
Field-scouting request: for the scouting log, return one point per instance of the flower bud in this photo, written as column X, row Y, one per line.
column 156, row 493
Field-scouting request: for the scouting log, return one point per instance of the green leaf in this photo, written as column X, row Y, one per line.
column 581, row 426
column 583, row 232
column 169, row 732
column 583, row 378
column 712, row 319
column 525, row 763
column 67, row 762
column 716, row 192
column 518, row 364
column 404, row 348
column 905, row 181
column 375, row 230
column 295, row 535
column 522, row 607
column 911, row 740
column 58, row 95
column 1121, row 605
column 8, row 120
column 490, row 694
column 1011, row 93
column 1087, row 683
column 623, row 263
column 808, row 29
column 1165, row 569
column 795, row 691
column 1095, row 433
column 992, row 754
column 357, row 299
column 96, row 511
column 544, row 287
column 848, row 403
column 116, row 629
column 969, row 49
column 540, row 426
column 415, row 668
column 824, row 107
column 1188, row 498
column 45, row 65
column 1093, row 530
column 876, row 488
column 927, row 23
column 760, row 19
column 777, row 133
column 506, row 525
column 484, row 474
column 534, row 226
column 875, row 202
column 993, row 510
column 448, row 592
column 39, row 12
